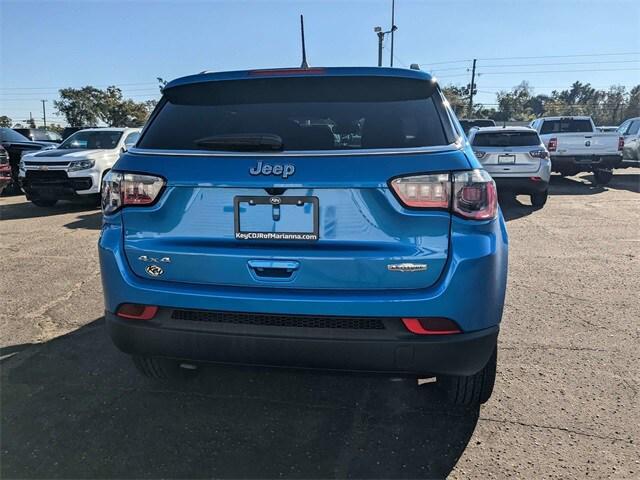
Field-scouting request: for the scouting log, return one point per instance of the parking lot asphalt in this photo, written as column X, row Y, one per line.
column 565, row 404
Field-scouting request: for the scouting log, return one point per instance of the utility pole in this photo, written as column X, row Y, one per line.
column 473, row 87
column 393, row 28
column 44, row 114
column 381, row 35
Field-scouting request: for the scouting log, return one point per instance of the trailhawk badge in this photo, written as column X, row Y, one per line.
column 407, row 267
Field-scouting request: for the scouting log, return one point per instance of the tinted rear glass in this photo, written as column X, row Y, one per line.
column 9, row 135
column 87, row 139
column 506, row 139
column 565, row 126
column 307, row 113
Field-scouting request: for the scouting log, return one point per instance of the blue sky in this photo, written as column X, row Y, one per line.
column 45, row 46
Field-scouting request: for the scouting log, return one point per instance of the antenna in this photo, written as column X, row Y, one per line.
column 304, row 50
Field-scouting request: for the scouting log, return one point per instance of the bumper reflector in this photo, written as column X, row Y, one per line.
column 135, row 311
column 431, row 326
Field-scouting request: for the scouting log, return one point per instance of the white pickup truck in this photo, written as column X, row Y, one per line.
column 74, row 170
column 575, row 145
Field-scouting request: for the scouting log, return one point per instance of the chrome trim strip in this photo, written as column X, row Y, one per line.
column 48, row 168
column 299, row 153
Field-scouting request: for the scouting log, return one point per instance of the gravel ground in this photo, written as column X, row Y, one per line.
column 565, row 403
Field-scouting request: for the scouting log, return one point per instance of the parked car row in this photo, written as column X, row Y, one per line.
column 520, row 159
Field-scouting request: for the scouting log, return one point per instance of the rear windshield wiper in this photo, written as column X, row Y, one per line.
column 242, row 142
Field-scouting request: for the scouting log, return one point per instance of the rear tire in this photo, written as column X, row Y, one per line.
column 602, row 176
column 472, row 390
column 161, row 368
column 538, row 199
column 44, row 202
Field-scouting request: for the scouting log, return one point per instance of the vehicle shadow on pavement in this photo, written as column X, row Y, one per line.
column 582, row 185
column 630, row 182
column 26, row 209
column 75, row 407
column 91, row 221
column 512, row 208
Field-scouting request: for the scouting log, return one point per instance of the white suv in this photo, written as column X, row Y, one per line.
column 516, row 158
column 74, row 169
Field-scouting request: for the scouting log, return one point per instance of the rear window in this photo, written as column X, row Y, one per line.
column 506, row 139
column 307, row 113
column 566, row 126
column 8, row 135
column 88, row 139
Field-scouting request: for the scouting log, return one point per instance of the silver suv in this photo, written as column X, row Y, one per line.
column 516, row 158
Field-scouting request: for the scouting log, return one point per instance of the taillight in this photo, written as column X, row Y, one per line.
column 423, row 191
column 620, row 143
column 553, row 144
column 479, row 154
column 539, row 153
column 120, row 189
column 474, row 195
column 471, row 194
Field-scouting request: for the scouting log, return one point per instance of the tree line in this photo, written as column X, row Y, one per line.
column 607, row 106
column 90, row 106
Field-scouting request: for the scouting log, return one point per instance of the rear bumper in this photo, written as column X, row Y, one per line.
column 470, row 290
column 584, row 163
column 392, row 350
column 523, row 185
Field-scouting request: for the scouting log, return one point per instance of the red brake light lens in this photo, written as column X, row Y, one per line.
column 423, row 191
column 431, row 326
column 553, row 144
column 134, row 311
column 474, row 195
column 286, row 71
column 620, row 143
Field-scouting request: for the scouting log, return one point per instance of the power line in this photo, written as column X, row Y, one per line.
column 82, row 86
column 564, row 56
column 559, row 63
column 55, row 92
column 533, row 57
column 536, row 65
column 546, row 72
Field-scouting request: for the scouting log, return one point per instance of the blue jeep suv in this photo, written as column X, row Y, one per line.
column 330, row 218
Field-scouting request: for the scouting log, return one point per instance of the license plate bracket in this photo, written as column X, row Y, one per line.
column 502, row 159
column 276, row 218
